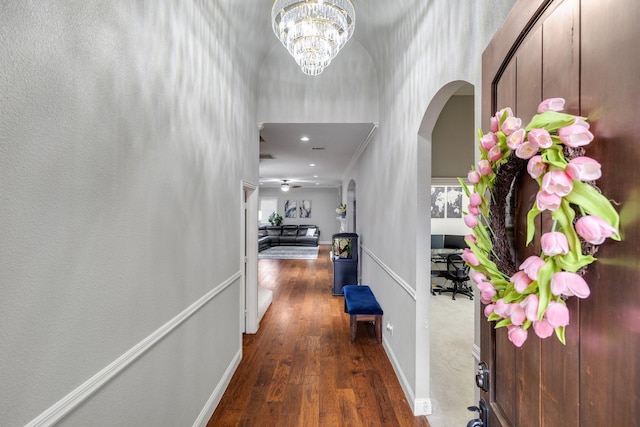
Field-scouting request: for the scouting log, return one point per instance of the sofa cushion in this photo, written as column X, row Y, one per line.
column 274, row 230
column 289, row 230
column 310, row 232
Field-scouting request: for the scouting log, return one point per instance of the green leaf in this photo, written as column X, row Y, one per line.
column 493, row 317
column 503, row 323
column 574, row 260
column 464, row 186
column 544, row 286
column 594, row 203
column 550, row 120
column 560, row 334
column 554, row 156
column 531, row 228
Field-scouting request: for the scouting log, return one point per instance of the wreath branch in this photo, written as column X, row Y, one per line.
column 505, row 176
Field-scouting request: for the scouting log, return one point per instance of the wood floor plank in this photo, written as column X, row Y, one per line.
column 300, row 369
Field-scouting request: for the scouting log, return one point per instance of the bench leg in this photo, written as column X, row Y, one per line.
column 376, row 319
column 378, row 323
column 354, row 326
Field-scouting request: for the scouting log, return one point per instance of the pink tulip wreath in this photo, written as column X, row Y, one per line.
column 550, row 149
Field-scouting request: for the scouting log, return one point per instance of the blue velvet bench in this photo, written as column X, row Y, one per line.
column 362, row 306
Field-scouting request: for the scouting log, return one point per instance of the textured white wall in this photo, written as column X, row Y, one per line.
column 345, row 92
column 125, row 130
column 323, row 207
column 453, row 139
column 435, row 44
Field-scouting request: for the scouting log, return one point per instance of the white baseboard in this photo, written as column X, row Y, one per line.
column 216, row 396
column 422, row 407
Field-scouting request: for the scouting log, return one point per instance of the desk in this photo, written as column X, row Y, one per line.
column 439, row 256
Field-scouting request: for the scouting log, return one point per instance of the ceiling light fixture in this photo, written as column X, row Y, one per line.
column 284, row 186
column 304, row 139
column 313, row 31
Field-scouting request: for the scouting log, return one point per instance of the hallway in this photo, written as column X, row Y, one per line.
column 301, row 370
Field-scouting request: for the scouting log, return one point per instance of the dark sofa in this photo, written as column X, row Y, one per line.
column 287, row 235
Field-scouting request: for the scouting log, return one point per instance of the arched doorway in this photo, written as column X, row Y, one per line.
column 446, row 151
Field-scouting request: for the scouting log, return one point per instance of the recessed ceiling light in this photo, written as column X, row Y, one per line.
column 312, row 164
column 304, row 139
column 315, row 176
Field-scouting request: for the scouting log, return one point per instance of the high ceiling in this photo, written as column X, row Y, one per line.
column 339, row 141
column 330, row 148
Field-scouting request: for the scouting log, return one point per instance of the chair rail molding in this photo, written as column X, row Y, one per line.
column 403, row 284
column 69, row 402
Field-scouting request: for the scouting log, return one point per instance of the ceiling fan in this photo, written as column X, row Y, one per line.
column 285, row 186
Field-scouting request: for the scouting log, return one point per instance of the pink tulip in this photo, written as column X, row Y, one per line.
column 517, row 335
column 557, row 182
column 488, row 310
column 527, row 150
column 530, row 306
column 581, row 121
column 488, row 140
column 500, row 113
column 501, row 308
column 470, row 258
column 494, row 124
column 594, row 229
column 474, row 210
column 548, row 201
column 570, row 284
column 495, row 153
column 551, row 104
column 470, row 238
column 575, row 136
column 470, row 220
column 484, row 167
column 510, row 125
column 475, row 199
column 520, row 281
column 540, row 137
column 531, row 266
column 584, row 169
column 557, row 314
column 517, row 315
column 516, row 139
column 478, row 277
column 554, row 243
column 536, row 167
column 487, row 292
column 542, row 328
column 473, row 177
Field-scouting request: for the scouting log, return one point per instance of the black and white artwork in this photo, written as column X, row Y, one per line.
column 290, row 209
column 454, row 202
column 438, row 201
column 305, row 209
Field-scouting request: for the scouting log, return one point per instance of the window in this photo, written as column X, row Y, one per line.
column 267, row 206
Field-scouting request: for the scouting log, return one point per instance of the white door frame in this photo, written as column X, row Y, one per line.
column 249, row 258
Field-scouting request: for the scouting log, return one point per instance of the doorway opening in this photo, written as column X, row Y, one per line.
column 448, row 139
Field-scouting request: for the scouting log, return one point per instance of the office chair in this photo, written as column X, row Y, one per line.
column 458, row 273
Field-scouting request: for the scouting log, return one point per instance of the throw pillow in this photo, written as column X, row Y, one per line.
column 310, row 232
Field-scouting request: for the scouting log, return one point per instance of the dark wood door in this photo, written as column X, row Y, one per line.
column 587, row 52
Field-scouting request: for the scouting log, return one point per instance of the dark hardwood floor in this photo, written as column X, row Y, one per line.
column 300, row 368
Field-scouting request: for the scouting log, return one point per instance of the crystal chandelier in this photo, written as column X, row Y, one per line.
column 313, row 31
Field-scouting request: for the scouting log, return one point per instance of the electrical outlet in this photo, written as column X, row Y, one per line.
column 390, row 328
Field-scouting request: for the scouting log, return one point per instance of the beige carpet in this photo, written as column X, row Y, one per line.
column 452, row 364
